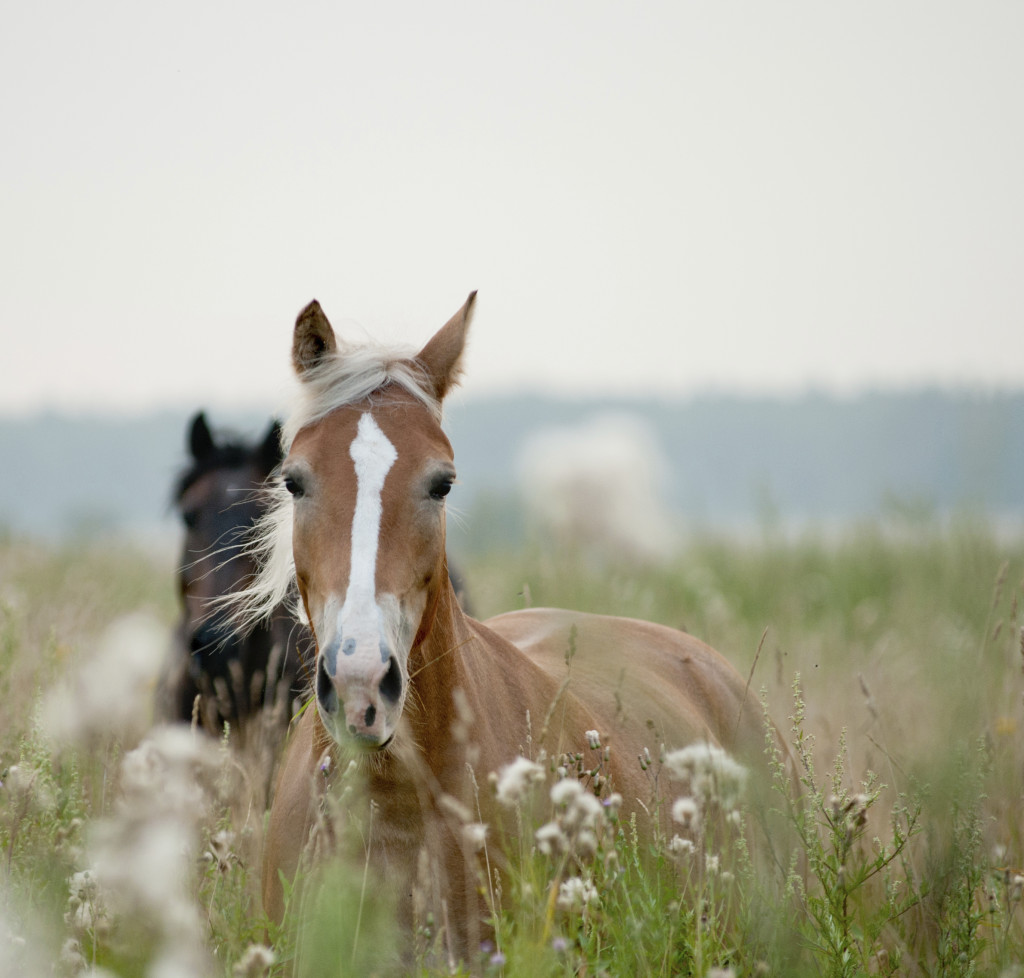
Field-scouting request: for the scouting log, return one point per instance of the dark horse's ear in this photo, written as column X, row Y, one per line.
column 441, row 358
column 313, row 339
column 200, row 441
column 269, row 452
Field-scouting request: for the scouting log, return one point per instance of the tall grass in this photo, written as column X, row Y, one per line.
column 891, row 659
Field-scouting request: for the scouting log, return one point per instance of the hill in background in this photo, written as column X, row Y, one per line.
column 729, row 462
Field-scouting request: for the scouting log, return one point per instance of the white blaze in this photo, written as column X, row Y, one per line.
column 359, row 618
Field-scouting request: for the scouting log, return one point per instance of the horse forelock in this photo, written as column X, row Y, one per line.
column 352, row 375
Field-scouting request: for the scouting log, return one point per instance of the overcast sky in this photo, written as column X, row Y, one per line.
column 661, row 197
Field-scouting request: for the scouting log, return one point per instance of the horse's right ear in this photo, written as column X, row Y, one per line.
column 313, row 340
column 200, row 441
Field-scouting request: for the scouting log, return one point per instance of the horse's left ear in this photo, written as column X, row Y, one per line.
column 441, row 358
column 313, row 339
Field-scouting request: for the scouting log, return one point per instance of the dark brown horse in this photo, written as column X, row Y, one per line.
column 400, row 668
column 225, row 672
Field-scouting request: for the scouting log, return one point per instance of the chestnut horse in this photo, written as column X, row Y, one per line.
column 234, row 672
column 400, row 668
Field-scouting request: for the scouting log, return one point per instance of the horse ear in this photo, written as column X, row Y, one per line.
column 313, row 339
column 441, row 358
column 200, row 440
column 269, row 452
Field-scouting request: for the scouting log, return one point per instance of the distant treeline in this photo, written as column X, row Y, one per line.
column 730, row 460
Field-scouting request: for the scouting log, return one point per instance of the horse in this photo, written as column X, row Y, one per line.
column 358, row 527
column 217, row 672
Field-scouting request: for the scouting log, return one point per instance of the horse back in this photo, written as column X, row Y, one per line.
column 646, row 684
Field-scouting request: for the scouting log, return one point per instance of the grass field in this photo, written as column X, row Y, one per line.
column 891, row 657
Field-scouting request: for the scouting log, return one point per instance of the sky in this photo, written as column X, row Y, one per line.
column 659, row 198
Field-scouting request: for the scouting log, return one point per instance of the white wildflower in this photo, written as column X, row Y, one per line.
column 475, row 835
column 587, row 811
column 593, row 739
column 71, row 960
column 28, row 785
column 586, row 843
column 681, row 847
column 712, row 775
column 144, row 853
column 221, row 852
column 551, row 839
column 711, row 863
column 515, row 780
column 255, row 963
column 576, row 893
column 86, row 913
column 20, row 956
column 565, row 792
column 582, row 809
column 686, row 812
column 109, row 693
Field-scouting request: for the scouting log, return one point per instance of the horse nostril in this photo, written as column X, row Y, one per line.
column 391, row 684
column 325, row 691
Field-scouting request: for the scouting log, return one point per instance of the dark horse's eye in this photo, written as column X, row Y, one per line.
column 441, row 487
column 294, row 486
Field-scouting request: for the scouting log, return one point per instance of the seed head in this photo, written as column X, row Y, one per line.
column 712, row 775
column 516, row 779
column 255, row 963
column 576, row 894
column 686, row 812
column 475, row 835
column 551, row 839
column 681, row 847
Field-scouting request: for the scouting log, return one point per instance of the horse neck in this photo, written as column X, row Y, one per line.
column 437, row 667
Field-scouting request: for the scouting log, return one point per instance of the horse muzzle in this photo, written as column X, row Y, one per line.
column 358, row 704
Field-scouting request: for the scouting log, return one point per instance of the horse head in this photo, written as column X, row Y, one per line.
column 219, row 501
column 368, row 469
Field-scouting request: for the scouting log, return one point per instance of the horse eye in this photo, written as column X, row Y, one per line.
column 441, row 487
column 294, row 486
